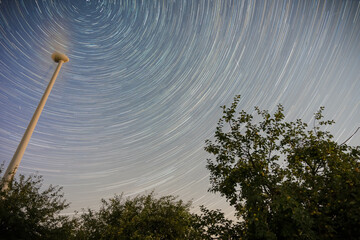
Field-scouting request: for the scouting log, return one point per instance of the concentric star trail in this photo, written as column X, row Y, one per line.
column 131, row 110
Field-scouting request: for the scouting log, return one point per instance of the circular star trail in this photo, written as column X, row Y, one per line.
column 131, row 110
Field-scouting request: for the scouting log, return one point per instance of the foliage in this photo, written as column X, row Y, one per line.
column 143, row 217
column 286, row 181
column 211, row 224
column 27, row 212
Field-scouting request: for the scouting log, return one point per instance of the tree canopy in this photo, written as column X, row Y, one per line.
column 28, row 212
column 142, row 217
column 286, row 181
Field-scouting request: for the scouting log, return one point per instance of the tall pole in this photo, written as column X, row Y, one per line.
column 13, row 165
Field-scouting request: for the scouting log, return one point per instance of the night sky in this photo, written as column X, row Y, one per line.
column 131, row 110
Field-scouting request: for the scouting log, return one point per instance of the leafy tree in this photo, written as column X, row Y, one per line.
column 143, row 217
column 212, row 224
column 285, row 180
column 27, row 212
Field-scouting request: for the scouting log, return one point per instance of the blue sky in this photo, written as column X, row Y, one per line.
column 131, row 110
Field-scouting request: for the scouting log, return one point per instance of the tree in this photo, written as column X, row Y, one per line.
column 212, row 224
column 26, row 212
column 143, row 217
column 285, row 181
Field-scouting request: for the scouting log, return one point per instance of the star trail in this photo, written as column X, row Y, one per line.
column 131, row 110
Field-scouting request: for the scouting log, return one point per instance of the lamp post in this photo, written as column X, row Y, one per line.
column 13, row 165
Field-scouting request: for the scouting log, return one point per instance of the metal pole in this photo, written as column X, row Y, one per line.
column 13, row 165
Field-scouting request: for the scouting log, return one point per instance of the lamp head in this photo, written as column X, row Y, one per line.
column 56, row 56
